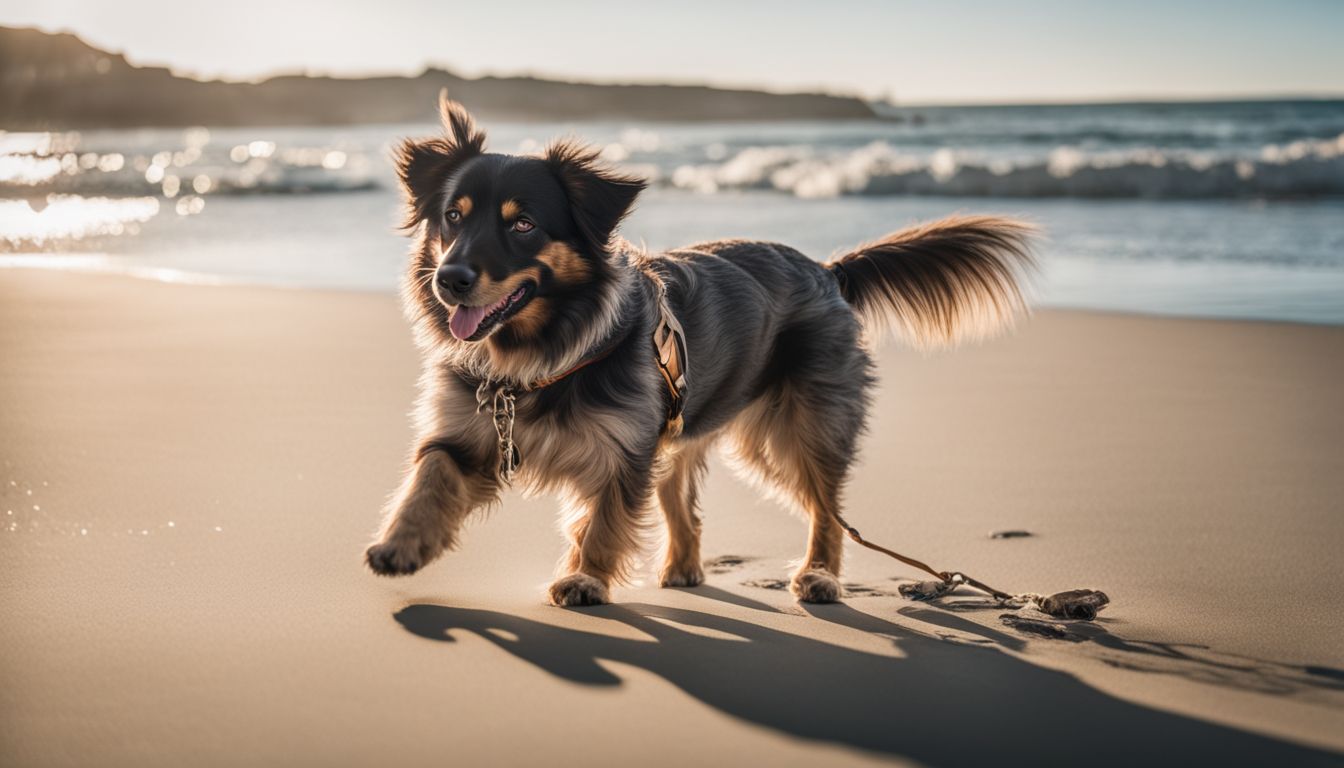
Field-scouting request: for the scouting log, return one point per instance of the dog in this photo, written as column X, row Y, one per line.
column 559, row 356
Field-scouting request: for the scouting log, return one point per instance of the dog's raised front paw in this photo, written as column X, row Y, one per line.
column 682, row 575
column 815, row 586
column 393, row 558
column 578, row 589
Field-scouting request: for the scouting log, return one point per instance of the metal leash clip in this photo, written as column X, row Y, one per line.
column 500, row 398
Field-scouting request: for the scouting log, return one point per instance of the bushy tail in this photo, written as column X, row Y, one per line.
column 940, row 283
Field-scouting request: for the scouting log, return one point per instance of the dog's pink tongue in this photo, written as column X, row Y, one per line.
column 465, row 321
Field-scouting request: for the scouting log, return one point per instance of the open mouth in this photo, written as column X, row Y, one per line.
column 475, row 323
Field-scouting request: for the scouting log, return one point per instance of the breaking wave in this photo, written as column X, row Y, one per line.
column 1306, row 168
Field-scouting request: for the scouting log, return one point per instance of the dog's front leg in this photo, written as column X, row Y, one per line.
column 422, row 521
column 603, row 534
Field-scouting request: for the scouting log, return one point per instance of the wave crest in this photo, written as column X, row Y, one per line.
column 1307, row 168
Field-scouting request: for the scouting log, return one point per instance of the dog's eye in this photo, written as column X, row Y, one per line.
column 453, row 215
column 523, row 226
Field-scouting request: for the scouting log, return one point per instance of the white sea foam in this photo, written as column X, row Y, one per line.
column 968, row 153
column 1299, row 169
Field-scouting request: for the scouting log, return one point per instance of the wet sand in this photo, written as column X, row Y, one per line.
column 190, row 474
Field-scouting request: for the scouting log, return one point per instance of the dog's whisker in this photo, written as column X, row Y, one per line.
column 428, row 274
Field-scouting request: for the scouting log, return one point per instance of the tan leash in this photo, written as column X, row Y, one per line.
column 1072, row 604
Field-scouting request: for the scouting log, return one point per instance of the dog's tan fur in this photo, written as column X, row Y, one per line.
column 564, row 263
column 678, row 489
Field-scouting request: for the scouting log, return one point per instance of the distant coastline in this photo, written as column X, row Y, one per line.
column 57, row 81
column 1136, row 101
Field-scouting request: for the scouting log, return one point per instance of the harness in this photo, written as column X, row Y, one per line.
column 669, row 345
column 669, row 340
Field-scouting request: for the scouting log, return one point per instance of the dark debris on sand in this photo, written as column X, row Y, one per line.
column 726, row 563
column 1046, row 629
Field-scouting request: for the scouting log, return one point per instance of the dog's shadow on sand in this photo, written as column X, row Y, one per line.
column 1198, row 663
column 939, row 703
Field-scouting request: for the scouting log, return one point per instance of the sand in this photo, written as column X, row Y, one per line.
column 190, row 475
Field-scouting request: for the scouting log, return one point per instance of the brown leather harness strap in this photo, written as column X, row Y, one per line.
column 669, row 342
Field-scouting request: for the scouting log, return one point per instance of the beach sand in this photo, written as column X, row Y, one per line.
column 190, row 475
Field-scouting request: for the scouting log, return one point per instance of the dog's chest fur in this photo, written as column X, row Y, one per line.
column 565, row 440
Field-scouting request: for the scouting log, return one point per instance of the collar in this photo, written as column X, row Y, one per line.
column 601, row 354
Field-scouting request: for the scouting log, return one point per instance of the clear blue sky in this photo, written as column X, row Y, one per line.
column 933, row 51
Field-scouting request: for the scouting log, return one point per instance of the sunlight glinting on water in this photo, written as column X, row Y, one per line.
column 70, row 217
column 28, row 169
column 169, row 164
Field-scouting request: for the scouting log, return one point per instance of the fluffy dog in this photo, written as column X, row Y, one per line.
column 557, row 351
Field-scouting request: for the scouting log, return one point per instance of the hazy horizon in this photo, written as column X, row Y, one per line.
column 911, row 55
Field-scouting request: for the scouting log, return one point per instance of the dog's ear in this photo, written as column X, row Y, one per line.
column 598, row 197
column 458, row 125
column 424, row 164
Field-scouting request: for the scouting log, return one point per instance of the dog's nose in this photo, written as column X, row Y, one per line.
column 456, row 279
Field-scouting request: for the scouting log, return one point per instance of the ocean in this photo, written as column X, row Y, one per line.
column 1205, row 209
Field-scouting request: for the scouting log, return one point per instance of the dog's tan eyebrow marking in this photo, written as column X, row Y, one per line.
column 463, row 206
column 510, row 210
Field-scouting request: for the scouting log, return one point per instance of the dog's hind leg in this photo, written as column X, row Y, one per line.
column 817, row 578
column 678, row 493
column 810, row 467
column 800, row 439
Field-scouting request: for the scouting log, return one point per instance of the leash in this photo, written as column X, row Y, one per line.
column 1072, row 604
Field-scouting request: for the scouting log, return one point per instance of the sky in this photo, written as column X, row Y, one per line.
column 944, row 51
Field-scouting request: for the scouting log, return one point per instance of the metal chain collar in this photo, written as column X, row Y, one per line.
column 500, row 399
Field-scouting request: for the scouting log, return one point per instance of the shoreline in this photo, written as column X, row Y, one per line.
column 82, row 264
column 193, row 474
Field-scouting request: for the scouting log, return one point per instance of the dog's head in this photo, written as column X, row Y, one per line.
column 513, row 252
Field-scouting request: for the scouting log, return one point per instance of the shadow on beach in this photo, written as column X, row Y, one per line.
column 1191, row 661
column 941, row 703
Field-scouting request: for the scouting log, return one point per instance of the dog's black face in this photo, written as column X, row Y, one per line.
column 507, row 239
column 514, row 251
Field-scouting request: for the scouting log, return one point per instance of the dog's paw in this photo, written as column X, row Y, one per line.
column 815, row 586
column 393, row 558
column 682, row 575
column 578, row 589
